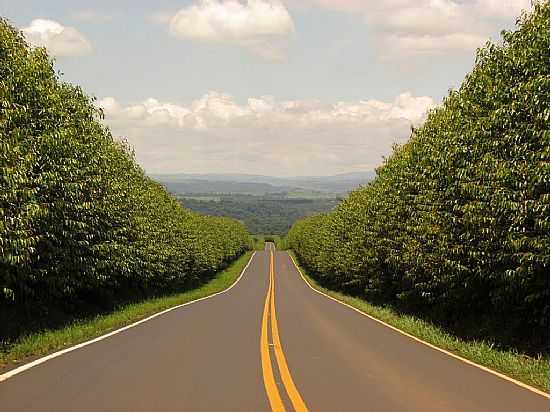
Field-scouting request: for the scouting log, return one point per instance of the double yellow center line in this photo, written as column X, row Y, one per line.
column 271, row 388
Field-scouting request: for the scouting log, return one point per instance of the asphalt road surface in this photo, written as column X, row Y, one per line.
column 270, row 343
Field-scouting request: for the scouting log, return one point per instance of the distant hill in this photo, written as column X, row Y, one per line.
column 220, row 186
column 341, row 183
column 266, row 204
column 260, row 185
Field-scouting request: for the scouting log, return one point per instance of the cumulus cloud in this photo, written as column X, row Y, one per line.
column 507, row 8
column 412, row 27
column 59, row 40
column 502, row 8
column 215, row 133
column 427, row 44
column 341, row 5
column 431, row 17
column 258, row 25
column 216, row 109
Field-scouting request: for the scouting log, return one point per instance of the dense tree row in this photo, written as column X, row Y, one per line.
column 78, row 217
column 457, row 222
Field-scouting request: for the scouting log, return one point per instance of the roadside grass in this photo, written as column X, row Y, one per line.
column 527, row 369
column 47, row 341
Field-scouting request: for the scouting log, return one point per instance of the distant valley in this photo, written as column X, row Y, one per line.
column 265, row 204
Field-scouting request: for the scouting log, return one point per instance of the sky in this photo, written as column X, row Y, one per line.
column 272, row 87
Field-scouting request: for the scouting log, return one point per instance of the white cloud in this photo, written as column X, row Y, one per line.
column 59, row 40
column 109, row 105
column 258, row 25
column 502, row 8
column 340, row 5
column 426, row 44
column 427, row 27
column 215, row 133
column 411, row 27
column 432, row 17
column 216, row 109
column 506, row 8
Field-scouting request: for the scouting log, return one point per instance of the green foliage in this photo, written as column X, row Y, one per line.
column 457, row 222
column 260, row 214
column 79, row 220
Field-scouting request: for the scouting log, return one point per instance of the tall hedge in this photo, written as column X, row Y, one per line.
column 78, row 217
column 457, row 222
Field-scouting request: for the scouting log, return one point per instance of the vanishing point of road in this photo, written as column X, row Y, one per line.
column 269, row 343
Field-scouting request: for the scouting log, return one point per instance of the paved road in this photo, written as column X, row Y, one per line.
column 270, row 343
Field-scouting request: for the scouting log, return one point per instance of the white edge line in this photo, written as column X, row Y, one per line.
column 27, row 366
column 453, row 355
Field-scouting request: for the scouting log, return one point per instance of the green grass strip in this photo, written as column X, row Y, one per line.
column 44, row 342
column 529, row 370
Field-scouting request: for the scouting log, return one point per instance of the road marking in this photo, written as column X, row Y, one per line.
column 460, row 358
column 23, row 368
column 271, row 388
column 295, row 398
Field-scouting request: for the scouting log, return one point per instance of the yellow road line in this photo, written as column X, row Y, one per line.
column 271, row 389
column 297, row 401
